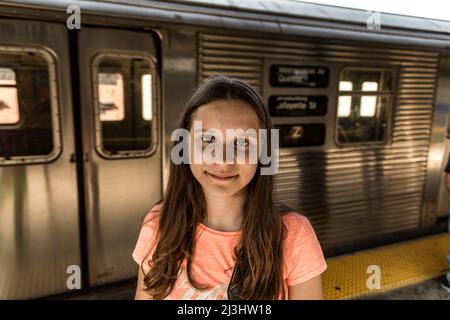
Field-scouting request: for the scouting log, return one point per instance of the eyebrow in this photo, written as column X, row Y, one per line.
column 203, row 130
column 250, row 137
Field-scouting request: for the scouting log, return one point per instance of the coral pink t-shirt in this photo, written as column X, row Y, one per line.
column 213, row 259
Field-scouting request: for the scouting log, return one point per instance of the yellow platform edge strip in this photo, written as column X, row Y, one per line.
column 398, row 265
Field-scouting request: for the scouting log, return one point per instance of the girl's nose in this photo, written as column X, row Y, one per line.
column 224, row 168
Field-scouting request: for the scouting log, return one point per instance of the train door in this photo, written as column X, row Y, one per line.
column 122, row 165
column 39, row 229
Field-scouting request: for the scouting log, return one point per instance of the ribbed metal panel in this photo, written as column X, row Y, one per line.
column 349, row 193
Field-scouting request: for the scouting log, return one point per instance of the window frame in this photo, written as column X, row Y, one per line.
column 379, row 93
column 51, row 59
column 124, row 154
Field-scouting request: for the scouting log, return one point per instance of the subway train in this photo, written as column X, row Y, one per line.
column 90, row 92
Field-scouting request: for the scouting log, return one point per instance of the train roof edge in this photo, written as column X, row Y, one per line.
column 273, row 16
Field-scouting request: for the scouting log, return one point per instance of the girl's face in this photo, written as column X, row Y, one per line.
column 224, row 179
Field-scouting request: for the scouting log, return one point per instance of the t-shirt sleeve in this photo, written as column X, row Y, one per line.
column 305, row 258
column 147, row 240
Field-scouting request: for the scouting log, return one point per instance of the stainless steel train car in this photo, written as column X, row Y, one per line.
column 90, row 92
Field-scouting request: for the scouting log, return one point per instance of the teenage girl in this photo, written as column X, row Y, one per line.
column 217, row 233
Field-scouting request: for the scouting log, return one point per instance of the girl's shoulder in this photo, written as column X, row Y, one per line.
column 298, row 227
column 147, row 239
column 153, row 215
column 303, row 254
column 294, row 219
column 291, row 218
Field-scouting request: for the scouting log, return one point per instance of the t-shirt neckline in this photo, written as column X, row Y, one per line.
column 219, row 232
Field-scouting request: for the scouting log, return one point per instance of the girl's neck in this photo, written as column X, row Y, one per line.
column 225, row 213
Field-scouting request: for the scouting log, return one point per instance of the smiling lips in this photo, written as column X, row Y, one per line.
column 221, row 177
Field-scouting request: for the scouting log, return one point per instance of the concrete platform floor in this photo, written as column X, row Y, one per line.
column 427, row 290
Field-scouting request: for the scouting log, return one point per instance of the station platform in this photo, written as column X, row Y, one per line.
column 408, row 270
column 401, row 264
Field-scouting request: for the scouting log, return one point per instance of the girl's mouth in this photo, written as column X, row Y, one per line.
column 222, row 177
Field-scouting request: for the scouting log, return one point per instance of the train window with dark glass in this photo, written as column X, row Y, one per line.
column 124, row 105
column 28, row 115
column 363, row 105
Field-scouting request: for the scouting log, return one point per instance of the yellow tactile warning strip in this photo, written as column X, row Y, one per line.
column 400, row 264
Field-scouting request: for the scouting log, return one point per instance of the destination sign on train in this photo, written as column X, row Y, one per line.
column 299, row 76
column 297, row 105
column 301, row 135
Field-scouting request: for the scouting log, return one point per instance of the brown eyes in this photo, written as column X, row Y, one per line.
column 208, row 138
column 242, row 142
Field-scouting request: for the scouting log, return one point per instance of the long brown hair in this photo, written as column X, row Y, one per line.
column 257, row 273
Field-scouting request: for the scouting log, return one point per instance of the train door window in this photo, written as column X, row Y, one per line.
column 363, row 105
column 111, row 96
column 29, row 129
column 125, row 101
column 146, row 81
column 9, row 103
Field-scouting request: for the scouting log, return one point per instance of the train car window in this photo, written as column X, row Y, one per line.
column 363, row 105
column 124, row 102
column 9, row 101
column 111, row 96
column 147, row 112
column 28, row 115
